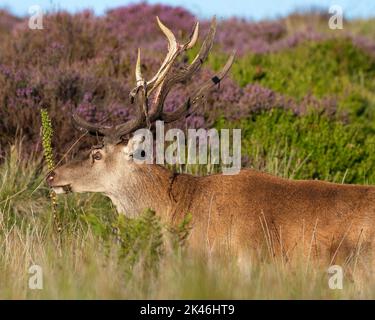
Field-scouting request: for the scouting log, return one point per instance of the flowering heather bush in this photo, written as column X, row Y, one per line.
column 80, row 61
column 261, row 37
column 7, row 21
column 135, row 24
column 290, row 85
column 364, row 43
column 273, row 36
column 245, row 36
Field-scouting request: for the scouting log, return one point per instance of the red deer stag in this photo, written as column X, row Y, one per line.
column 230, row 212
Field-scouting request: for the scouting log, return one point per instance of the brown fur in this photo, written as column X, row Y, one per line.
column 237, row 213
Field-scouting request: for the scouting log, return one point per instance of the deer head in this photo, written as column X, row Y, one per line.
column 107, row 167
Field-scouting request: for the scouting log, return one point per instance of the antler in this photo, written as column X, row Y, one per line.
column 161, row 84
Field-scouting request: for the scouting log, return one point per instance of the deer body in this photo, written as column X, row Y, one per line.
column 234, row 214
column 242, row 213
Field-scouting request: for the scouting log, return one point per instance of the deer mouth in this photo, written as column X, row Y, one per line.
column 62, row 189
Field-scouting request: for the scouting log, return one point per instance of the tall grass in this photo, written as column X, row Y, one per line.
column 279, row 76
column 105, row 256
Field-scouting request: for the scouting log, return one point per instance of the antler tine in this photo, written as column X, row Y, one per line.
column 142, row 112
column 200, row 95
column 163, row 81
column 138, row 71
column 174, row 50
column 194, row 37
column 204, row 51
column 172, row 42
column 84, row 126
column 185, row 74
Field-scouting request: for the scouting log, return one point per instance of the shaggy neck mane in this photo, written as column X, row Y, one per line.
column 151, row 187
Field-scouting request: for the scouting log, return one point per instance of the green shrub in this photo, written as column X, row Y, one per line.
column 139, row 238
column 321, row 68
column 333, row 68
column 308, row 147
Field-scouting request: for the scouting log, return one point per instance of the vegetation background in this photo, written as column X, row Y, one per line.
column 303, row 95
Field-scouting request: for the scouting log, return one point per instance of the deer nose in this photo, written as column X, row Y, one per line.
column 50, row 177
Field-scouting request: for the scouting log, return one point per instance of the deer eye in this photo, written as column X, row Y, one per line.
column 97, row 156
